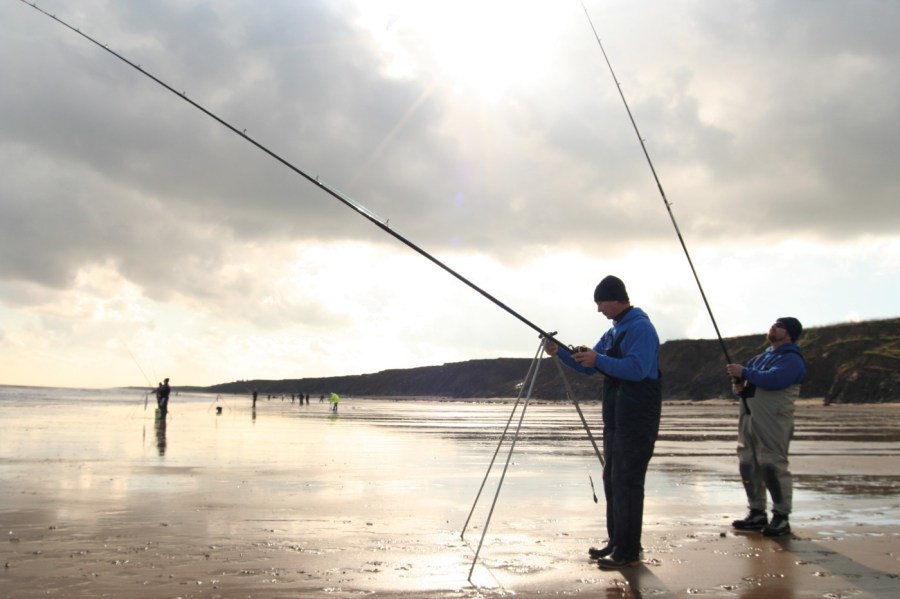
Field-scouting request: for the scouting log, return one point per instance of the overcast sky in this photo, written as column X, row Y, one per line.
column 140, row 239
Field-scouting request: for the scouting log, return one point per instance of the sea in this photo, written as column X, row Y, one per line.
column 839, row 451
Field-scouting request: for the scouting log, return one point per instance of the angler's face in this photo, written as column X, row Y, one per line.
column 609, row 309
column 777, row 333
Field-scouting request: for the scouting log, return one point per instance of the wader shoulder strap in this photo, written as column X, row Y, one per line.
column 616, row 350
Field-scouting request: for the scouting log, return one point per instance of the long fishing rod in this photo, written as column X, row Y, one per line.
column 136, row 363
column 658, row 184
column 353, row 205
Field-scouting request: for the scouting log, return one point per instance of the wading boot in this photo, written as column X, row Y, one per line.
column 597, row 553
column 755, row 520
column 778, row 526
column 615, row 562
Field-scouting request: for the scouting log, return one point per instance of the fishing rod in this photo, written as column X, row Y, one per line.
column 350, row 203
column 658, row 184
column 355, row 206
column 136, row 363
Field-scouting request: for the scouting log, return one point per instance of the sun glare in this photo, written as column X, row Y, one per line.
column 480, row 47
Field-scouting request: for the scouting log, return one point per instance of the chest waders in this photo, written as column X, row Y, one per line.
column 631, row 415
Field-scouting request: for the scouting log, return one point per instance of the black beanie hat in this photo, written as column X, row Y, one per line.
column 610, row 289
column 792, row 326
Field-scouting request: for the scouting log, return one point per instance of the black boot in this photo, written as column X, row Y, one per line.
column 755, row 520
column 596, row 553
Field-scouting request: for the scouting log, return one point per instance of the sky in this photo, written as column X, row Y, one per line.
column 141, row 239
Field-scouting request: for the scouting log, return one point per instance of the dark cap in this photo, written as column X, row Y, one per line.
column 610, row 289
column 792, row 326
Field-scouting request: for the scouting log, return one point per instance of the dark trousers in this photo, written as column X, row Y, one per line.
column 631, row 414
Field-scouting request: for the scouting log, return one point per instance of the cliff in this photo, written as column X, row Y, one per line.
column 848, row 363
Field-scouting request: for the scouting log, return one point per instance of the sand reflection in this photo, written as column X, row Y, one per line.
column 293, row 499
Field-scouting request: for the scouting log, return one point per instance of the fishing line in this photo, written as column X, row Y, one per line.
column 353, row 205
column 658, row 184
column 136, row 363
column 134, row 409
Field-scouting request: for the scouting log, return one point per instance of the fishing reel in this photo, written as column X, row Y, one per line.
column 577, row 349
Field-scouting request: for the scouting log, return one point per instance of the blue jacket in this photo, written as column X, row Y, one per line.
column 639, row 348
column 776, row 369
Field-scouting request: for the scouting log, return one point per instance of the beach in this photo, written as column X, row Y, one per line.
column 102, row 499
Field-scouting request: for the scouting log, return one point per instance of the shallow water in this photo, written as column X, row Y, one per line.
column 837, row 450
column 390, row 484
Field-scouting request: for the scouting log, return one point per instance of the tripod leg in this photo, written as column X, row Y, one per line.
column 531, row 369
column 512, row 448
column 578, row 409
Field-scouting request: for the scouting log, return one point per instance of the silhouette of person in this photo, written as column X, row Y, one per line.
column 164, row 391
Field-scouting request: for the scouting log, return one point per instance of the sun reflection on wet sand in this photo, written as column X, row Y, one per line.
column 100, row 497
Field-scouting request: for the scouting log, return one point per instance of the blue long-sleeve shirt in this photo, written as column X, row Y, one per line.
column 777, row 368
column 639, row 349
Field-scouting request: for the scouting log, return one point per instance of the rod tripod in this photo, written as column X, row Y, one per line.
column 527, row 388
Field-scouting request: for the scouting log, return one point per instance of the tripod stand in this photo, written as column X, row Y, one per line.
column 528, row 383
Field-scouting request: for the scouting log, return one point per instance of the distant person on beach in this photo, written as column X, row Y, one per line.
column 768, row 385
column 628, row 355
column 158, row 395
column 254, row 398
column 335, row 400
column 164, row 391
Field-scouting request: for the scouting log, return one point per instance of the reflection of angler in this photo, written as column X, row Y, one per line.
column 161, row 436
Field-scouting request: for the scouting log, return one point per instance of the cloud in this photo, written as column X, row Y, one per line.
column 492, row 136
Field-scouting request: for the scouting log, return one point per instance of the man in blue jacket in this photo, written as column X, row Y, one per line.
column 628, row 355
column 768, row 385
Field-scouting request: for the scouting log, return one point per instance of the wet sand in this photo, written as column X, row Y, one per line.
column 98, row 500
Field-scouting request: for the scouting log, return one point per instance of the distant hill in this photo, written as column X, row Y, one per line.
column 848, row 363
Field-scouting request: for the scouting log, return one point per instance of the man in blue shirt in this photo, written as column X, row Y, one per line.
column 628, row 355
column 768, row 385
